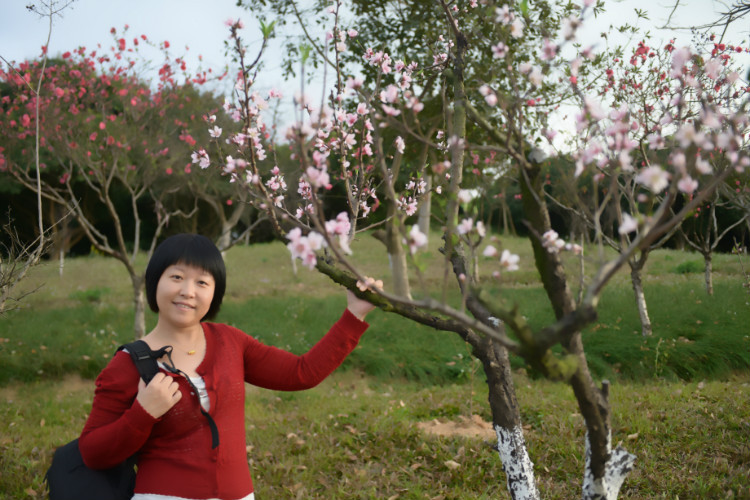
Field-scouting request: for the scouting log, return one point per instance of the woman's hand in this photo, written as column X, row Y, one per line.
column 160, row 395
column 357, row 306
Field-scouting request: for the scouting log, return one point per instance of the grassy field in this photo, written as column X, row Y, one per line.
column 680, row 399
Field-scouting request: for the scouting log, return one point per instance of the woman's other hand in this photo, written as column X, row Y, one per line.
column 160, row 395
column 357, row 306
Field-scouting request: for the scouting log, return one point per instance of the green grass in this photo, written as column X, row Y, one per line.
column 355, row 437
column 74, row 322
column 680, row 398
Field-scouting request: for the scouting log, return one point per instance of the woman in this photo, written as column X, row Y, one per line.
column 184, row 453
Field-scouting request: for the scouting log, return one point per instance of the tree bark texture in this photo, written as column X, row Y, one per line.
column 617, row 468
column 506, row 420
column 139, row 302
column 708, row 272
column 640, row 297
column 397, row 259
column 592, row 401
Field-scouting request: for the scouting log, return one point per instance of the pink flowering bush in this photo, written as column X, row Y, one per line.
column 115, row 149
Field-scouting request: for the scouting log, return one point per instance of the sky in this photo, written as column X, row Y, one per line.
column 199, row 25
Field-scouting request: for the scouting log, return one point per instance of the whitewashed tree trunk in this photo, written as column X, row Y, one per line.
column 617, row 468
column 518, row 467
column 640, row 300
column 506, row 420
column 636, row 267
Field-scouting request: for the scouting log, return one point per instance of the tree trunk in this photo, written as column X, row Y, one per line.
column 139, row 301
column 708, row 272
column 508, row 227
column 618, row 466
column 397, row 259
column 61, row 258
column 605, row 471
column 640, row 298
column 425, row 208
column 506, row 419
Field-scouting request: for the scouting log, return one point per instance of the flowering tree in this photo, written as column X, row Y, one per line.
column 106, row 137
column 639, row 84
column 703, row 233
column 19, row 257
column 346, row 141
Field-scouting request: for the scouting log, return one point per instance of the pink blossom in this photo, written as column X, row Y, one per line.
column 354, row 83
column 549, row 49
column 304, row 247
column 516, row 28
column 509, row 261
column 500, row 50
column 504, row 15
column 339, row 226
column 687, row 135
column 390, row 110
column 536, row 77
column 703, row 166
column 389, row 95
column 552, row 241
column 594, row 108
column 362, row 108
column 491, row 99
column 679, row 58
column 400, row 145
column 574, row 248
column 317, row 241
column 629, row 224
column 464, row 195
column 214, row 132
column 317, row 177
column 408, row 205
column 654, row 178
column 678, row 161
column 490, row 251
column 201, row 157
column 465, row 226
column 656, row 141
column 687, row 185
column 415, row 104
column 230, row 166
column 417, row 239
column 713, row 68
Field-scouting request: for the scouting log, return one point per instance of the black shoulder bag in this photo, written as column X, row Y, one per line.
column 68, row 477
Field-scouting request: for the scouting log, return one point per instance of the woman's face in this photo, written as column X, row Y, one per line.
column 184, row 294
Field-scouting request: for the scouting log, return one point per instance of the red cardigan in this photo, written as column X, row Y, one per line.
column 174, row 451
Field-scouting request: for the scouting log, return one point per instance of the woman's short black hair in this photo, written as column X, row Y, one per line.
column 193, row 250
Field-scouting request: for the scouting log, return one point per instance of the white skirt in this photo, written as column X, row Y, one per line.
column 153, row 496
